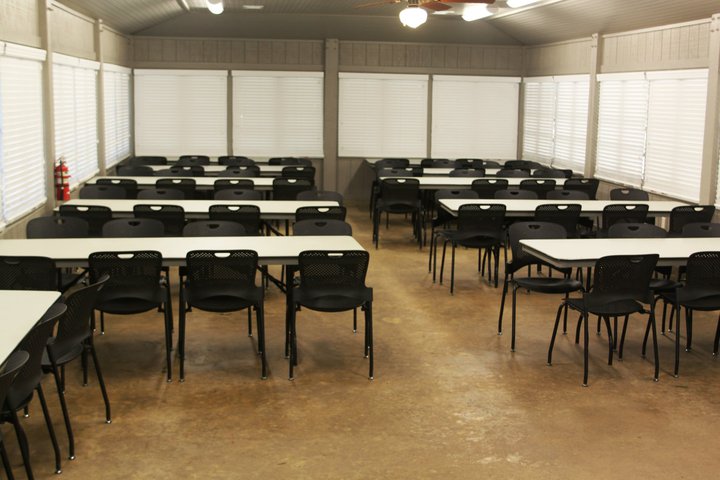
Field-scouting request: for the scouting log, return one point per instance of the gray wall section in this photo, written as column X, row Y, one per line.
column 20, row 22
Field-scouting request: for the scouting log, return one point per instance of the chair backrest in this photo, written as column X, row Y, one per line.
column 619, row 277
column 94, row 215
column 392, row 163
column 35, row 344
column 628, row 194
column 193, row 160
column 541, row 187
column 293, row 171
column 322, row 227
column 400, row 191
column 9, row 370
column 185, row 185
column 567, row 195
column 182, row 171
column 213, row 228
column 449, row 193
column 587, row 185
column 133, row 227
column 242, row 171
column 322, row 195
column 134, row 271
column 288, row 188
column 232, row 270
column 487, row 219
column 701, row 229
column 74, row 327
column 290, row 161
column 233, row 184
column 235, row 160
column 27, row 273
column 102, row 191
column 148, row 160
column 171, row 216
column 341, row 270
column 636, row 230
column 469, row 163
column 551, row 173
column 437, row 163
column 530, row 230
column 135, row 171
column 525, row 164
column 703, row 273
column 246, row 215
column 468, row 172
column 486, row 187
column 56, row 226
column 565, row 215
column 235, row 194
column 320, row 213
column 513, row 172
column 130, row 186
column 517, row 194
column 161, row 194
column 681, row 216
column 400, row 172
column 623, row 213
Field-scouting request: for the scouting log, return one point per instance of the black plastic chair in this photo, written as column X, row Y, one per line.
column 443, row 217
column 391, row 163
column 74, row 339
column 622, row 213
column 399, row 196
column 621, row 287
column 238, row 194
column 242, row 171
column 586, row 185
column 513, row 173
column 171, row 216
column 322, row 195
column 29, row 380
column 130, row 186
column 628, row 194
column 320, row 213
column 213, row 228
column 288, row 188
column 322, row 227
column 566, row 215
column 222, row 282
column 516, row 194
column 161, row 194
column 8, row 372
column 136, row 285
column 332, row 281
column 701, row 229
column 235, row 161
column 479, row 226
column 99, row 191
column 133, row 227
column 290, row 161
column 486, row 187
column 437, row 163
column 470, row 163
column 56, row 226
column 523, row 164
column 94, row 215
column 193, row 160
column 28, row 273
column 246, row 215
column 135, row 171
column 400, row 172
column 182, row 171
column 308, row 173
column 558, row 285
column 681, row 216
column 551, row 173
column 467, row 172
column 540, row 187
column 148, row 160
column 185, row 185
column 567, row 195
column 233, row 184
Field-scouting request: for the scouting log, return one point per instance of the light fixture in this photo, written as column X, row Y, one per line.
column 520, row 3
column 253, row 7
column 413, row 16
column 215, row 6
column 475, row 12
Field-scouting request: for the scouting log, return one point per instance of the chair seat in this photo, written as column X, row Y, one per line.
column 695, row 299
column 332, row 300
column 61, row 358
column 605, row 308
column 397, row 207
column 127, row 305
column 222, row 297
column 549, row 285
column 661, row 284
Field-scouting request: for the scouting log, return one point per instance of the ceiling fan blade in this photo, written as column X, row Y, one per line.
column 377, row 4
column 488, row 2
column 435, row 6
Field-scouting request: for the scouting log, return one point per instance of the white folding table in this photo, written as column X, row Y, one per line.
column 590, row 208
column 464, row 183
column 21, row 311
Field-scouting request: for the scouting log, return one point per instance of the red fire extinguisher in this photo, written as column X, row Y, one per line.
column 62, row 180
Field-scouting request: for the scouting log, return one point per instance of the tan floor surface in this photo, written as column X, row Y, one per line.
column 449, row 399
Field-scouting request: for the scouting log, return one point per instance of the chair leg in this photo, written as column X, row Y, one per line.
column 260, row 319
column 611, row 341
column 64, row 409
column 292, row 343
column 249, row 315
column 5, row 460
column 585, row 350
column 514, row 305
column 101, row 382
column 497, row 265
column 554, row 334
column 84, row 364
column 354, row 320
column 655, row 344
column 598, row 332
column 442, row 261
column 369, row 350
column 181, row 339
column 717, row 338
column 565, row 314
column 577, row 329
column 622, row 339
column 22, row 441
column 688, row 326
column 452, row 271
column 51, row 430
column 502, row 304
column 102, row 323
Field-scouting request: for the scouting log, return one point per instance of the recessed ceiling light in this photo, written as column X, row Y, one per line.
column 253, row 7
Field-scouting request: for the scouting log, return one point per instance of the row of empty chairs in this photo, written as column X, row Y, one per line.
column 290, row 171
column 230, row 160
column 475, row 172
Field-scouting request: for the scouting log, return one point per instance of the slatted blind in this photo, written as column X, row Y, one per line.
column 75, row 117
column 22, row 150
column 117, row 113
column 622, row 124
column 571, row 110
column 278, row 113
column 180, row 112
column 676, row 126
column 474, row 117
column 382, row 115
column 539, row 119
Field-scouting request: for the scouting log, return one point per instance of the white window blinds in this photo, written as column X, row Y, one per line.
column 539, row 119
column 571, row 110
column 474, row 117
column 676, row 125
column 382, row 115
column 117, row 113
column 22, row 149
column 180, row 112
column 622, row 123
column 278, row 113
column 75, row 103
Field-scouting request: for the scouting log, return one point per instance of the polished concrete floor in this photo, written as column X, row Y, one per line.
column 449, row 399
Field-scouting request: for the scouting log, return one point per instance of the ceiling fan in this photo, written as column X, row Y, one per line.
column 416, row 12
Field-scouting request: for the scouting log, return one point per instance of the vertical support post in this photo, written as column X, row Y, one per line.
column 521, row 106
column 428, row 127
column 709, row 169
column 101, row 141
column 593, row 101
column 330, row 107
column 45, row 8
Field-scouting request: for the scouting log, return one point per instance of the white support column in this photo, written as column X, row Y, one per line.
column 708, row 183
column 591, row 135
column 45, row 8
column 330, row 123
column 102, row 154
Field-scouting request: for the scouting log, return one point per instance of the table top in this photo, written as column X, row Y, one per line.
column 584, row 252
column 589, row 207
column 269, row 209
column 261, row 183
column 272, row 250
column 21, row 311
